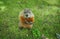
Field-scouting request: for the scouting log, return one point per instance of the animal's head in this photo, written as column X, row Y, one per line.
column 27, row 13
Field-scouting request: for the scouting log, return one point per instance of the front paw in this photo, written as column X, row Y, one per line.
column 26, row 22
column 31, row 23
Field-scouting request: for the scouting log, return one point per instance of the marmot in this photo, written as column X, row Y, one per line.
column 26, row 18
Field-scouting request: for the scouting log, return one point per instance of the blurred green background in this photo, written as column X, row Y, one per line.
column 47, row 18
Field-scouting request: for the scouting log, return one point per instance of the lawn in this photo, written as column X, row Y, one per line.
column 47, row 19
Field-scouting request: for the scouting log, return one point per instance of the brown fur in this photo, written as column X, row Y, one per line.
column 22, row 20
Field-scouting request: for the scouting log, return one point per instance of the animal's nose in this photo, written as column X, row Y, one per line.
column 26, row 15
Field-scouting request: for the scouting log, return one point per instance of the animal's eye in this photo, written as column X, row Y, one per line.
column 24, row 12
column 29, row 11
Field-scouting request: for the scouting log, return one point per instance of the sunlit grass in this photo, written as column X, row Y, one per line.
column 46, row 18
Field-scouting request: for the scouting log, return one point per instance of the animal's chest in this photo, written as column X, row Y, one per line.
column 26, row 19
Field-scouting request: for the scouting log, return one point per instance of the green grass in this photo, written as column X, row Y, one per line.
column 47, row 18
